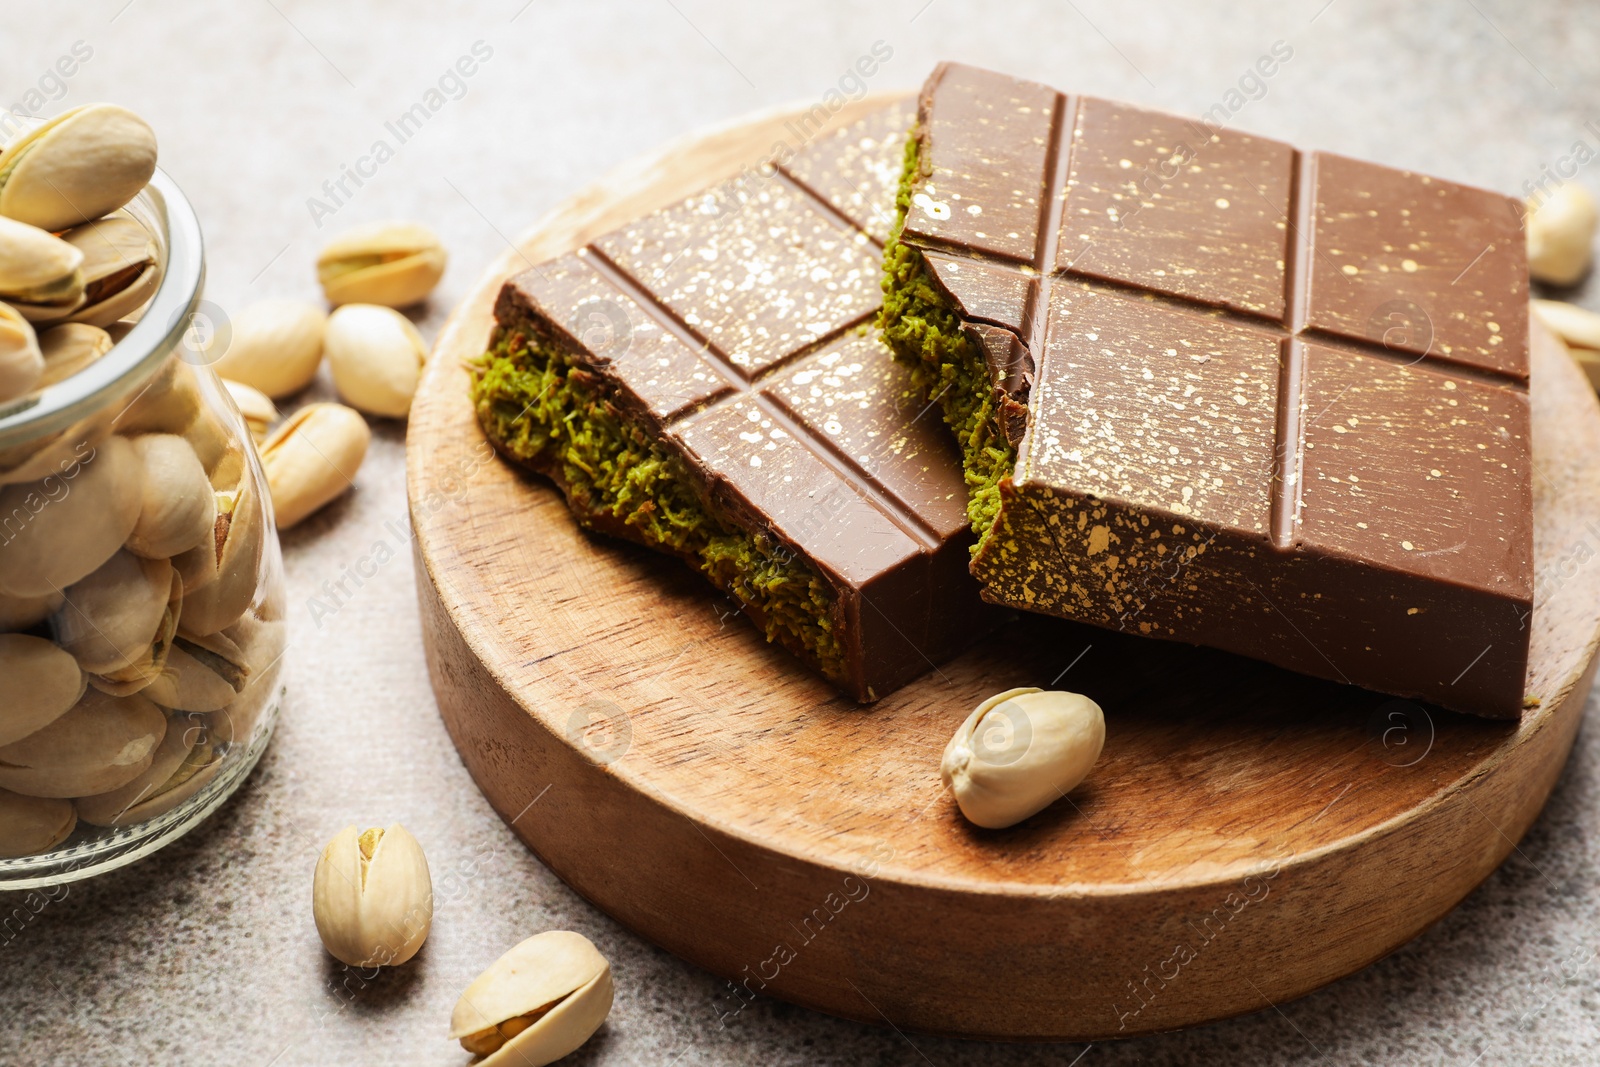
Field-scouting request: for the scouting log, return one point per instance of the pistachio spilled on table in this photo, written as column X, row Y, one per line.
column 537, row 1003
column 372, row 896
column 390, row 263
column 376, row 356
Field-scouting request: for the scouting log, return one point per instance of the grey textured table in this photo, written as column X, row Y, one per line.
column 206, row 953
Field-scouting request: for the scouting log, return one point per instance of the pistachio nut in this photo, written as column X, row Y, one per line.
column 62, row 528
column 69, row 348
column 535, row 1004
column 40, row 274
column 183, row 763
column 1020, row 750
column 31, row 825
column 313, row 458
column 42, row 683
column 372, row 897
column 257, row 408
column 201, row 673
column 104, row 742
column 24, row 612
column 274, row 346
column 1579, row 329
column 376, row 357
column 169, row 404
column 179, row 510
column 263, row 643
column 120, row 269
column 225, row 570
column 388, row 263
column 21, row 363
column 119, row 621
column 1561, row 230
column 84, row 163
column 219, row 447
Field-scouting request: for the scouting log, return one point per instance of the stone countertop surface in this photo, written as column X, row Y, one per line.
column 206, row 953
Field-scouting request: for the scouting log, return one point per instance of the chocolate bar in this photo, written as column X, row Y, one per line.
column 706, row 381
column 1213, row 389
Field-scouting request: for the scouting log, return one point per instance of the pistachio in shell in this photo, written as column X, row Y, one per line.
column 42, row 683
column 182, row 764
column 31, row 825
column 179, row 510
column 256, row 407
column 63, row 527
column 119, row 621
column 40, row 274
column 274, row 346
column 376, row 357
column 102, row 743
column 22, row 364
column 312, row 459
column 170, row 403
column 82, row 164
column 388, row 263
column 121, row 268
column 69, row 348
column 535, row 1004
column 220, row 576
column 201, row 673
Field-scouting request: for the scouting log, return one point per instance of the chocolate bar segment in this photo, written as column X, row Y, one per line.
column 1270, row 401
column 705, row 381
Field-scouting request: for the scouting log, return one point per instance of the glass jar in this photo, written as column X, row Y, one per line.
column 141, row 589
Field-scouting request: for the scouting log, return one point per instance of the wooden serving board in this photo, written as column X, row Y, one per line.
column 1247, row 836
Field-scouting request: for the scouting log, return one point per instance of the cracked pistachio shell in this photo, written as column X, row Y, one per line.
column 202, row 673
column 101, row 744
column 376, row 357
column 313, row 458
column 257, row 408
column 1019, row 751
column 24, row 612
column 179, row 508
column 65, row 526
column 169, row 404
column 388, row 263
column 263, row 643
column 42, row 683
column 225, row 570
column 372, row 897
column 82, row 164
column 114, row 617
column 182, row 765
column 39, row 272
column 537, row 1003
column 22, row 364
column 69, row 348
column 31, row 825
column 274, row 346
column 120, row 268
column 1560, row 230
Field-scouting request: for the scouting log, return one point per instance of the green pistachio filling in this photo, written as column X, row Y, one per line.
column 925, row 332
column 546, row 412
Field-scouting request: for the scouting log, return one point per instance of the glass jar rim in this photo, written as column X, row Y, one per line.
column 136, row 357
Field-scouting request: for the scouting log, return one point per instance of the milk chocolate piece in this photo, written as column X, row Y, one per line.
column 1272, row 401
column 768, row 437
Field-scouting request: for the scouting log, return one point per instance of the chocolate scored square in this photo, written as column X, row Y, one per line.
column 1214, row 389
column 706, row 381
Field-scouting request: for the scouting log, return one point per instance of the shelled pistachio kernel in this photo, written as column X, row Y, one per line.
column 40, row 274
column 376, row 357
column 274, row 346
column 388, row 263
column 313, row 458
column 82, row 164
column 537, row 1003
column 372, row 897
column 1019, row 751
column 22, row 364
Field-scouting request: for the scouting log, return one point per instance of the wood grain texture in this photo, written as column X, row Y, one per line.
column 1248, row 835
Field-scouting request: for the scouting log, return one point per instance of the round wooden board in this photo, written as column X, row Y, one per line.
column 1248, row 835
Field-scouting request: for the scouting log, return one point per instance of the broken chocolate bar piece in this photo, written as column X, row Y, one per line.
column 705, row 381
column 1213, row 389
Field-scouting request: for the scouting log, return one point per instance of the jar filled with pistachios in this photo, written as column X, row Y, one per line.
column 141, row 589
